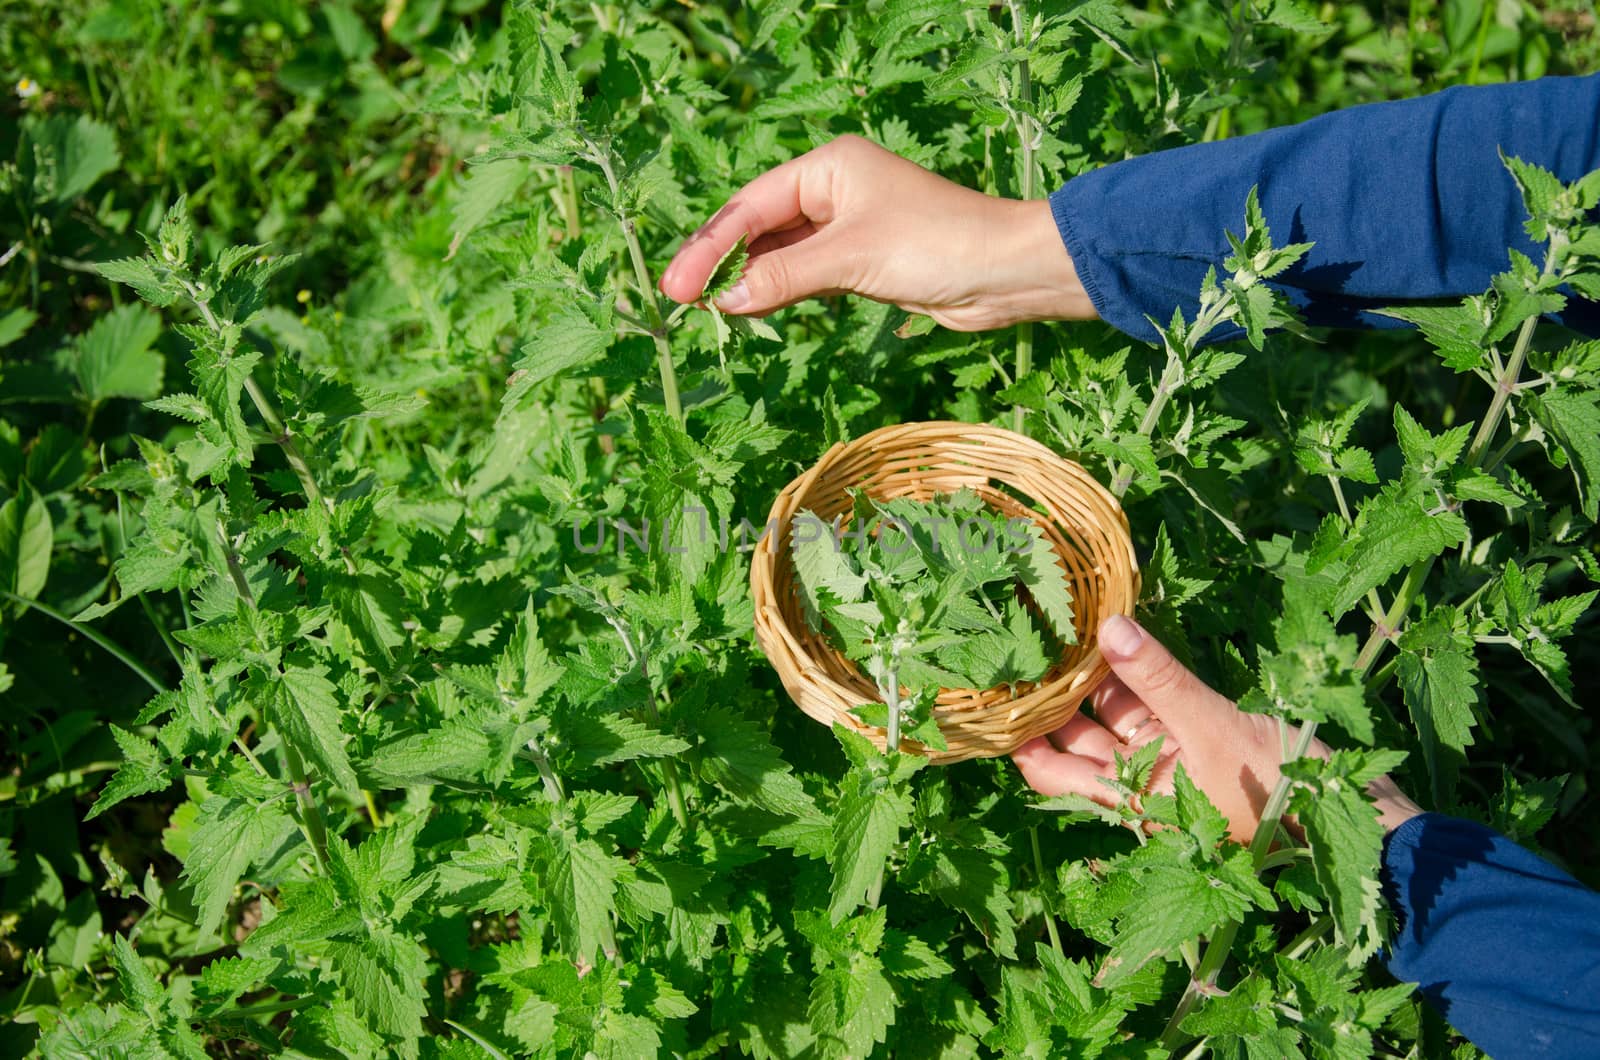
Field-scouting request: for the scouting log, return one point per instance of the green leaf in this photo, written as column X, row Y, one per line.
column 26, row 538
column 113, row 358
column 1438, row 675
column 488, row 186
column 229, row 834
column 852, row 1007
column 71, row 155
column 143, row 770
column 140, row 990
column 305, row 709
column 866, row 828
column 1171, row 903
column 1040, row 570
column 1393, row 530
column 581, row 881
column 728, row 272
column 1346, row 840
column 155, row 284
column 822, row 565
column 1572, row 419
column 1311, row 674
column 568, row 341
column 385, row 974
column 738, row 756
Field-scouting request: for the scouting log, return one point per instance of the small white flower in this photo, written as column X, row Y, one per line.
column 27, row 88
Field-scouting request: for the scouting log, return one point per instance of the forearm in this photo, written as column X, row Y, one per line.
column 1405, row 201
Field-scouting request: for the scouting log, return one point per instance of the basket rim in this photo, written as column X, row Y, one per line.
column 823, row 696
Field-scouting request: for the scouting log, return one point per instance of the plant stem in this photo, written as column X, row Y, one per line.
column 1038, row 868
column 569, row 201
column 647, row 290
column 891, row 746
column 1217, row 947
column 1025, row 132
column 547, row 775
column 892, row 743
column 269, row 414
column 309, row 813
column 1301, row 942
column 1504, row 387
column 91, row 635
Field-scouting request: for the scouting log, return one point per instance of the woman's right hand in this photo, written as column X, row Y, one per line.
column 1232, row 756
column 853, row 217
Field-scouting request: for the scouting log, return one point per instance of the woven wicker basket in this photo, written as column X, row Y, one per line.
column 1012, row 474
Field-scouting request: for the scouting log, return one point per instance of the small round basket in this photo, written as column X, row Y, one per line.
column 1014, row 475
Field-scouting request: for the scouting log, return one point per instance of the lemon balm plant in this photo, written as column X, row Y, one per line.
column 331, row 730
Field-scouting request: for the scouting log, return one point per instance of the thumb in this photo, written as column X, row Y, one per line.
column 782, row 277
column 1183, row 702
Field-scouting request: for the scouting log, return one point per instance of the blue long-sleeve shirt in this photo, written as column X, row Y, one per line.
column 1504, row 944
column 1405, row 201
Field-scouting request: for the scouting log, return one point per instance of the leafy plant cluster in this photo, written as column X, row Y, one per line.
column 935, row 594
column 330, row 342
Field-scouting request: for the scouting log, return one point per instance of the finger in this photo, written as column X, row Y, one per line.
column 1049, row 772
column 772, row 201
column 1082, row 736
column 1188, row 706
column 783, row 277
column 1119, row 710
column 783, row 237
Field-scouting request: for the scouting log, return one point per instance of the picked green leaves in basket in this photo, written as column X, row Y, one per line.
column 944, row 593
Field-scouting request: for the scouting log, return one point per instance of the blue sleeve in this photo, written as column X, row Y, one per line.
column 1505, row 945
column 1405, row 201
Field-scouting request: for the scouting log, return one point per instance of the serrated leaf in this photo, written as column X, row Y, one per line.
column 739, row 757
column 581, row 880
column 229, row 834
column 385, row 974
column 113, row 358
column 1572, row 419
column 1393, row 531
column 569, row 340
column 1346, row 840
column 305, row 710
column 143, row 771
column 1040, row 570
column 866, row 828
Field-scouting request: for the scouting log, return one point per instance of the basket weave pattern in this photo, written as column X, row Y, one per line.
column 1011, row 473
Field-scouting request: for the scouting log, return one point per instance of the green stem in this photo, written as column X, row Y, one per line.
column 547, row 775
column 1044, row 886
column 1477, row 47
column 90, row 635
column 269, row 414
column 1302, row 942
column 1025, row 132
column 891, row 746
column 308, row 813
column 1218, row 946
column 647, row 291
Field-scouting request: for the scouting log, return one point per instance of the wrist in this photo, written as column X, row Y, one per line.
column 1395, row 808
column 1033, row 271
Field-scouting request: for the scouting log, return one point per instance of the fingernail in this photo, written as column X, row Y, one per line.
column 735, row 298
column 1121, row 636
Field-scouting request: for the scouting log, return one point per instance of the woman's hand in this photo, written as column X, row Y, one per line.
column 1232, row 756
column 853, row 217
